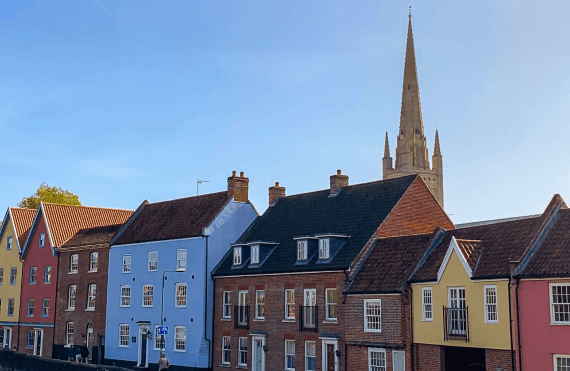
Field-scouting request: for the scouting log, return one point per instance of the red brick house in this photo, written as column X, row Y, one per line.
column 84, row 263
column 53, row 225
column 279, row 301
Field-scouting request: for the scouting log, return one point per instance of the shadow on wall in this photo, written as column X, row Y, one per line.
column 14, row 361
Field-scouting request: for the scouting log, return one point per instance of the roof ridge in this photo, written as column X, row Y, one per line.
column 86, row 207
column 185, row 198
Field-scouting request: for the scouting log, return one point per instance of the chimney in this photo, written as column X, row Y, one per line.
column 338, row 181
column 238, row 187
column 276, row 192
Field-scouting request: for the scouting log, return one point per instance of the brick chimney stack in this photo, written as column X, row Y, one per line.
column 276, row 192
column 238, row 187
column 338, row 181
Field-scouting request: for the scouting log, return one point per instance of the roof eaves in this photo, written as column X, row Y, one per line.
column 31, row 232
column 128, row 222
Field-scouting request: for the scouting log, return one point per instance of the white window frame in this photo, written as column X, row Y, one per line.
column 259, row 305
column 69, row 334
column 34, row 275
column 73, row 264
column 324, row 248
column 237, row 255
column 227, row 304
column 148, row 296
column 157, row 339
column 254, row 254
column 561, row 356
column 242, row 350
column 330, row 304
column 289, row 355
column 289, row 304
column 91, row 296
column 93, row 262
column 377, row 368
column 122, row 335
column 31, row 307
column 47, row 275
column 366, row 323
column 181, row 339
column 42, row 240
column 71, row 299
column 9, row 243
column 181, row 259
column 45, row 308
column 184, row 296
column 425, row 312
column 14, row 275
column 307, row 356
column 127, row 260
column 487, row 304
column 126, row 297
column 552, row 304
column 302, row 250
column 153, row 261
column 226, row 340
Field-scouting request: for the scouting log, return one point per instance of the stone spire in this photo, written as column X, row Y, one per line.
column 387, row 160
column 386, row 146
column 436, row 149
column 411, row 151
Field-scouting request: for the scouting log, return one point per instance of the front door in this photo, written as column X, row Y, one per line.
column 458, row 314
column 330, row 357
column 258, row 354
column 310, row 306
column 143, row 346
column 90, row 341
column 7, row 338
column 38, row 342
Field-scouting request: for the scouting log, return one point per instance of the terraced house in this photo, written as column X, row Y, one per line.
column 159, row 266
column 53, row 225
column 279, row 289
column 15, row 228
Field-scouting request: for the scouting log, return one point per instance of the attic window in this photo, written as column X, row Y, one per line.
column 42, row 239
column 9, row 244
column 237, row 255
column 302, row 250
column 255, row 254
column 324, row 252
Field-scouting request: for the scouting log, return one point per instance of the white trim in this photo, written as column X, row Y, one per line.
column 426, row 288
column 394, row 352
column 224, row 304
column 239, row 351
column 324, row 342
column 286, row 317
column 277, row 274
column 380, row 350
column 453, row 247
column 179, row 284
column 485, row 303
column 257, row 302
column 285, row 355
column 554, row 356
column 143, row 328
column 230, row 348
column 185, row 340
column 365, row 302
column 327, row 318
column 552, row 321
column 305, row 355
column 254, row 338
column 40, row 330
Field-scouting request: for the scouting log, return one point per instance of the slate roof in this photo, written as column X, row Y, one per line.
column 357, row 211
column 23, row 219
column 499, row 244
column 389, row 264
column 92, row 236
column 552, row 257
column 174, row 219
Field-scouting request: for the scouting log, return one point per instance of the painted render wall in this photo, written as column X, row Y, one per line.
column 540, row 339
column 481, row 334
column 9, row 259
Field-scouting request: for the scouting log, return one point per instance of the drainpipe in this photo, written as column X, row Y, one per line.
column 518, row 325
column 513, row 360
column 206, row 306
column 412, row 326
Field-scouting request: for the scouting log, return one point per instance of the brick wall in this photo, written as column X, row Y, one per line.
column 495, row 358
column 274, row 325
column 23, row 341
column 16, row 361
column 429, row 357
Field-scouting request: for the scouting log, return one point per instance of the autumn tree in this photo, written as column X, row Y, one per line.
column 45, row 193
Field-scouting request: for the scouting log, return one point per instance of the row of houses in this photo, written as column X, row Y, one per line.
column 372, row 276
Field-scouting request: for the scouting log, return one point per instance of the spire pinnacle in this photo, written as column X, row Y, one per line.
column 436, row 149
column 386, row 146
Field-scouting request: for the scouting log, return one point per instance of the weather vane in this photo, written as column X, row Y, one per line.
column 410, row 10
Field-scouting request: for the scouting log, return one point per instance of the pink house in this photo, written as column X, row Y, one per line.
column 542, row 292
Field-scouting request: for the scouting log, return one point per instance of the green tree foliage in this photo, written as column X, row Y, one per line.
column 45, row 193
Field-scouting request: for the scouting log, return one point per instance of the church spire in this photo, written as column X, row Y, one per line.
column 436, row 149
column 386, row 146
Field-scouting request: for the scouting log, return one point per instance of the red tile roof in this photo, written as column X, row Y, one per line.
column 23, row 219
column 470, row 250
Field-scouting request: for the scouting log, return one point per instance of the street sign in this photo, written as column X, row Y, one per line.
column 162, row 330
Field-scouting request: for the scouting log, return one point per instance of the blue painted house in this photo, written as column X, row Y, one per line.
column 159, row 275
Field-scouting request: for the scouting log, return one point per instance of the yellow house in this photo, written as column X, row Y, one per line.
column 13, row 233
column 461, row 312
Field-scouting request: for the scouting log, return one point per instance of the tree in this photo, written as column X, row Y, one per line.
column 54, row 195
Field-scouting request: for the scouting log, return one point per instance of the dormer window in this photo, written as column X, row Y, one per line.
column 324, row 252
column 237, row 255
column 302, row 250
column 255, row 254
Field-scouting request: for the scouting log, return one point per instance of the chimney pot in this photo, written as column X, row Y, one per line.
column 338, row 172
column 238, row 187
column 338, row 181
column 234, row 173
column 276, row 192
column 276, row 184
column 241, row 174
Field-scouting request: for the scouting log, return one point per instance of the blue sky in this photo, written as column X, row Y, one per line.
column 121, row 101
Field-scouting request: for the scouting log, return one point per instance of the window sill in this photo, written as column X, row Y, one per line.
column 146, row 306
column 90, row 310
column 225, row 365
column 122, row 346
column 32, row 283
column 45, row 316
column 124, row 306
column 258, row 320
column 289, row 320
column 560, row 324
column 427, row 320
column 126, row 272
column 244, row 367
column 179, row 307
column 179, row 351
column 377, row 331
column 493, row 323
column 71, row 272
column 47, row 283
column 70, row 310
column 91, row 271
column 331, row 321
column 225, row 319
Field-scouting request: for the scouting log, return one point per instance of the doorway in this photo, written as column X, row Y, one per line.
column 143, row 345
column 330, row 360
column 89, row 341
column 258, row 356
column 38, row 342
column 7, row 343
column 463, row 358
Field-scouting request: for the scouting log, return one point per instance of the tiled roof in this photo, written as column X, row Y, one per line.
column 552, row 258
column 499, row 244
column 357, row 211
column 92, row 236
column 174, row 219
column 470, row 250
column 389, row 264
column 64, row 221
column 23, row 219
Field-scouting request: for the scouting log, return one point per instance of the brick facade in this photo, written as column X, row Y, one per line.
column 22, row 340
column 495, row 358
column 429, row 357
column 81, row 316
column 276, row 327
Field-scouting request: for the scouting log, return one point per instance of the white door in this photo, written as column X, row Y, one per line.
column 90, row 340
column 258, row 354
column 399, row 360
column 38, row 342
column 309, row 310
column 7, row 337
column 458, row 313
column 143, row 346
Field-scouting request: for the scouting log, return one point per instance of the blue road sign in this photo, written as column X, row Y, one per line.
column 162, row 330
